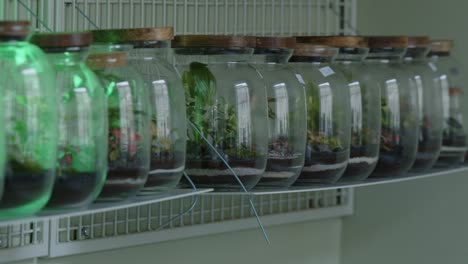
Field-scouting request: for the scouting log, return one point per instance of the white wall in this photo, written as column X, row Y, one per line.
column 422, row 221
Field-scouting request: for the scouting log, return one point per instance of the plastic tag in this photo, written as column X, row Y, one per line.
column 326, row 71
column 432, row 66
column 299, row 78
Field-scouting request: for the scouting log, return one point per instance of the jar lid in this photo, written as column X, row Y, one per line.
column 133, row 34
column 388, row 42
column 62, row 40
column 336, row 41
column 418, row 41
column 107, row 60
column 14, row 28
column 275, row 42
column 213, row 41
column 314, row 50
column 441, row 45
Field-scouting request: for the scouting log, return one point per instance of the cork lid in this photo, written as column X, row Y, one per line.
column 335, row 41
column 14, row 28
column 388, row 42
column 215, row 41
column 418, row 41
column 275, row 42
column 442, row 45
column 62, row 40
column 133, row 34
column 107, row 60
column 313, row 50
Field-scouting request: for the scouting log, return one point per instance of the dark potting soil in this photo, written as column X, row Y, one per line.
column 392, row 163
column 326, row 175
column 123, row 183
column 23, row 187
column 203, row 175
column 449, row 158
column 163, row 180
column 290, row 166
column 74, row 189
column 359, row 171
column 428, row 152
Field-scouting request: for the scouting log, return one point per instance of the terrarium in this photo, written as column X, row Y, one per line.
column 424, row 80
column 286, row 112
column 82, row 121
column 226, row 108
column 364, row 100
column 167, row 101
column 399, row 106
column 454, row 143
column 128, row 115
column 30, row 109
column 328, row 114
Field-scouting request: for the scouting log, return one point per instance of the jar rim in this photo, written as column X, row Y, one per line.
column 275, row 42
column 13, row 29
column 133, row 34
column 336, row 41
column 388, row 42
column 215, row 41
column 418, row 41
column 62, row 40
column 441, row 45
column 313, row 50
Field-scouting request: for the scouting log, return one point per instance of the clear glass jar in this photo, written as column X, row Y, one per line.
column 399, row 106
column 328, row 115
column 31, row 122
column 454, row 145
column 424, row 79
column 167, row 101
column 129, row 121
column 364, row 102
column 82, row 121
column 286, row 112
column 226, row 102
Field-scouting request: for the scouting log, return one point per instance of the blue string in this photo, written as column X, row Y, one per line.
column 237, row 178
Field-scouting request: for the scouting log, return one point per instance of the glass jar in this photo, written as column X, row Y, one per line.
column 328, row 115
column 454, row 143
column 82, row 121
column 31, row 122
column 286, row 112
column 424, row 80
column 128, row 120
column 364, row 95
column 167, row 101
column 399, row 106
column 226, row 103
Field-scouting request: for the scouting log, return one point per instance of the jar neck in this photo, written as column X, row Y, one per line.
column 416, row 54
column 271, row 56
column 385, row 55
column 185, row 56
column 103, row 56
column 351, row 55
column 148, row 54
column 312, row 59
column 66, row 56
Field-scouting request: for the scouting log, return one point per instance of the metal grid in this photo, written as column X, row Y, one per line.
column 243, row 17
column 100, row 231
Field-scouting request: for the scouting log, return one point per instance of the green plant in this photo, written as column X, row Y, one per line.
column 314, row 136
column 212, row 115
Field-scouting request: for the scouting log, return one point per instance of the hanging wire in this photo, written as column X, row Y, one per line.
column 30, row 11
column 348, row 23
column 237, row 178
column 194, row 202
column 86, row 16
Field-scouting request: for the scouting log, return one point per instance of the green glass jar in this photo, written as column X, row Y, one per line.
column 167, row 101
column 286, row 112
column 129, row 121
column 31, row 122
column 82, row 116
